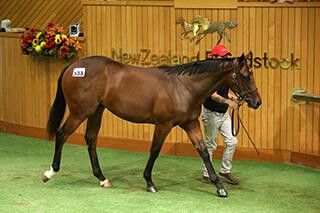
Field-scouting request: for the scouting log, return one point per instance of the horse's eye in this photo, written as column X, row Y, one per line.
column 246, row 76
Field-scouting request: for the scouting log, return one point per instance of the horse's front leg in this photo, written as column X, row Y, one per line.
column 160, row 133
column 193, row 130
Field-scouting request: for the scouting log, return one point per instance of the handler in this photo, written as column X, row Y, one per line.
column 216, row 118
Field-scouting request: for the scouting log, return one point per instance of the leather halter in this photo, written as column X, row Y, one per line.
column 243, row 94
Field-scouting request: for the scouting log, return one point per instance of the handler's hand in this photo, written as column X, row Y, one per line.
column 235, row 99
column 232, row 104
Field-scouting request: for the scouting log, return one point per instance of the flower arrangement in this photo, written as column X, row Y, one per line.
column 50, row 42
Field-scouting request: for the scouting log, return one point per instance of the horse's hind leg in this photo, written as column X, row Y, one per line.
column 62, row 134
column 93, row 126
column 160, row 133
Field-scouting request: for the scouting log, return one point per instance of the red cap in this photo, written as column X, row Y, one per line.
column 219, row 50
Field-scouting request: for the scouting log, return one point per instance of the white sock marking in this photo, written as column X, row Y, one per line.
column 49, row 173
column 103, row 182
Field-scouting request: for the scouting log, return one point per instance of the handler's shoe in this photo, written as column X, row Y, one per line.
column 229, row 178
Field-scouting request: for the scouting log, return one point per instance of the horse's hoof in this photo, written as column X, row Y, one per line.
column 222, row 193
column 48, row 174
column 151, row 189
column 105, row 184
column 45, row 178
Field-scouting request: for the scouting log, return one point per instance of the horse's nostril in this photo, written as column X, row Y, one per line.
column 258, row 103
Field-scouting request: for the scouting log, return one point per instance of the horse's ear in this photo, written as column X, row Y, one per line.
column 241, row 59
column 248, row 55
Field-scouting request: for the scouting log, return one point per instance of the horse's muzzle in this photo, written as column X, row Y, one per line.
column 255, row 104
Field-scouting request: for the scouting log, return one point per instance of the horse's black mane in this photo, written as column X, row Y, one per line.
column 196, row 67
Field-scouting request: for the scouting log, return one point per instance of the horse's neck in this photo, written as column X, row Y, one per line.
column 201, row 86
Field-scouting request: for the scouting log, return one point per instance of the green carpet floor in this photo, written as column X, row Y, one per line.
column 264, row 187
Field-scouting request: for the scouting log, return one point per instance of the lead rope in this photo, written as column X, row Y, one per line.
column 232, row 123
column 240, row 97
column 237, row 131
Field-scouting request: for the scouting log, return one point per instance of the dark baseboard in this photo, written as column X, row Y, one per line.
column 306, row 159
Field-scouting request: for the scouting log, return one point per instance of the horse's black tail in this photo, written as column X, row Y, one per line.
column 57, row 110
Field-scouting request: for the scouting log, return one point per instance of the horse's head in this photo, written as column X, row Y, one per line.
column 242, row 83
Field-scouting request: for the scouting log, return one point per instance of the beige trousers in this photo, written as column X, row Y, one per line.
column 214, row 122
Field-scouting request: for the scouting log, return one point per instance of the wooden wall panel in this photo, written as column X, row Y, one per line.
column 37, row 13
column 22, row 103
column 279, row 124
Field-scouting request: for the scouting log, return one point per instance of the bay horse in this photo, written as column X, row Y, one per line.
column 165, row 96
